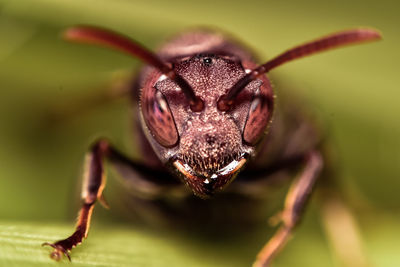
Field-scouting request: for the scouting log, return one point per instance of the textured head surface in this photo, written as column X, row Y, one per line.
column 209, row 140
column 210, row 149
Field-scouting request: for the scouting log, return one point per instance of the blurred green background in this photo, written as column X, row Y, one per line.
column 355, row 90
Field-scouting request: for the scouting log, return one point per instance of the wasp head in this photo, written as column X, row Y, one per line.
column 206, row 147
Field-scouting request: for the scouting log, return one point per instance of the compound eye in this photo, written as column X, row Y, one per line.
column 158, row 117
column 257, row 119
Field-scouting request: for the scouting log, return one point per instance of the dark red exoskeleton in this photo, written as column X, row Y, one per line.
column 206, row 109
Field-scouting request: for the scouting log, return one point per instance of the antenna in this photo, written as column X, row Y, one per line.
column 111, row 39
column 331, row 41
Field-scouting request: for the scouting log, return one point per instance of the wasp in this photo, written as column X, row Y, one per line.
column 207, row 116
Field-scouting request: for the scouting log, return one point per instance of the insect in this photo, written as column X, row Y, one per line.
column 206, row 110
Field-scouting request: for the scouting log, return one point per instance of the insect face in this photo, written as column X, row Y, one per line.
column 206, row 147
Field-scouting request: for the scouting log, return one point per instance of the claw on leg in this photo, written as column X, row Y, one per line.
column 62, row 247
column 57, row 252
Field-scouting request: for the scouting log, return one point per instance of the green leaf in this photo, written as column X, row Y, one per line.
column 109, row 245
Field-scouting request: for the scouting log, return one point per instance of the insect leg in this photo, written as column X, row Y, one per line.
column 296, row 199
column 92, row 190
column 93, row 185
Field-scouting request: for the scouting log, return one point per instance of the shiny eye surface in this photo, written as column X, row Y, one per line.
column 158, row 117
column 257, row 119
